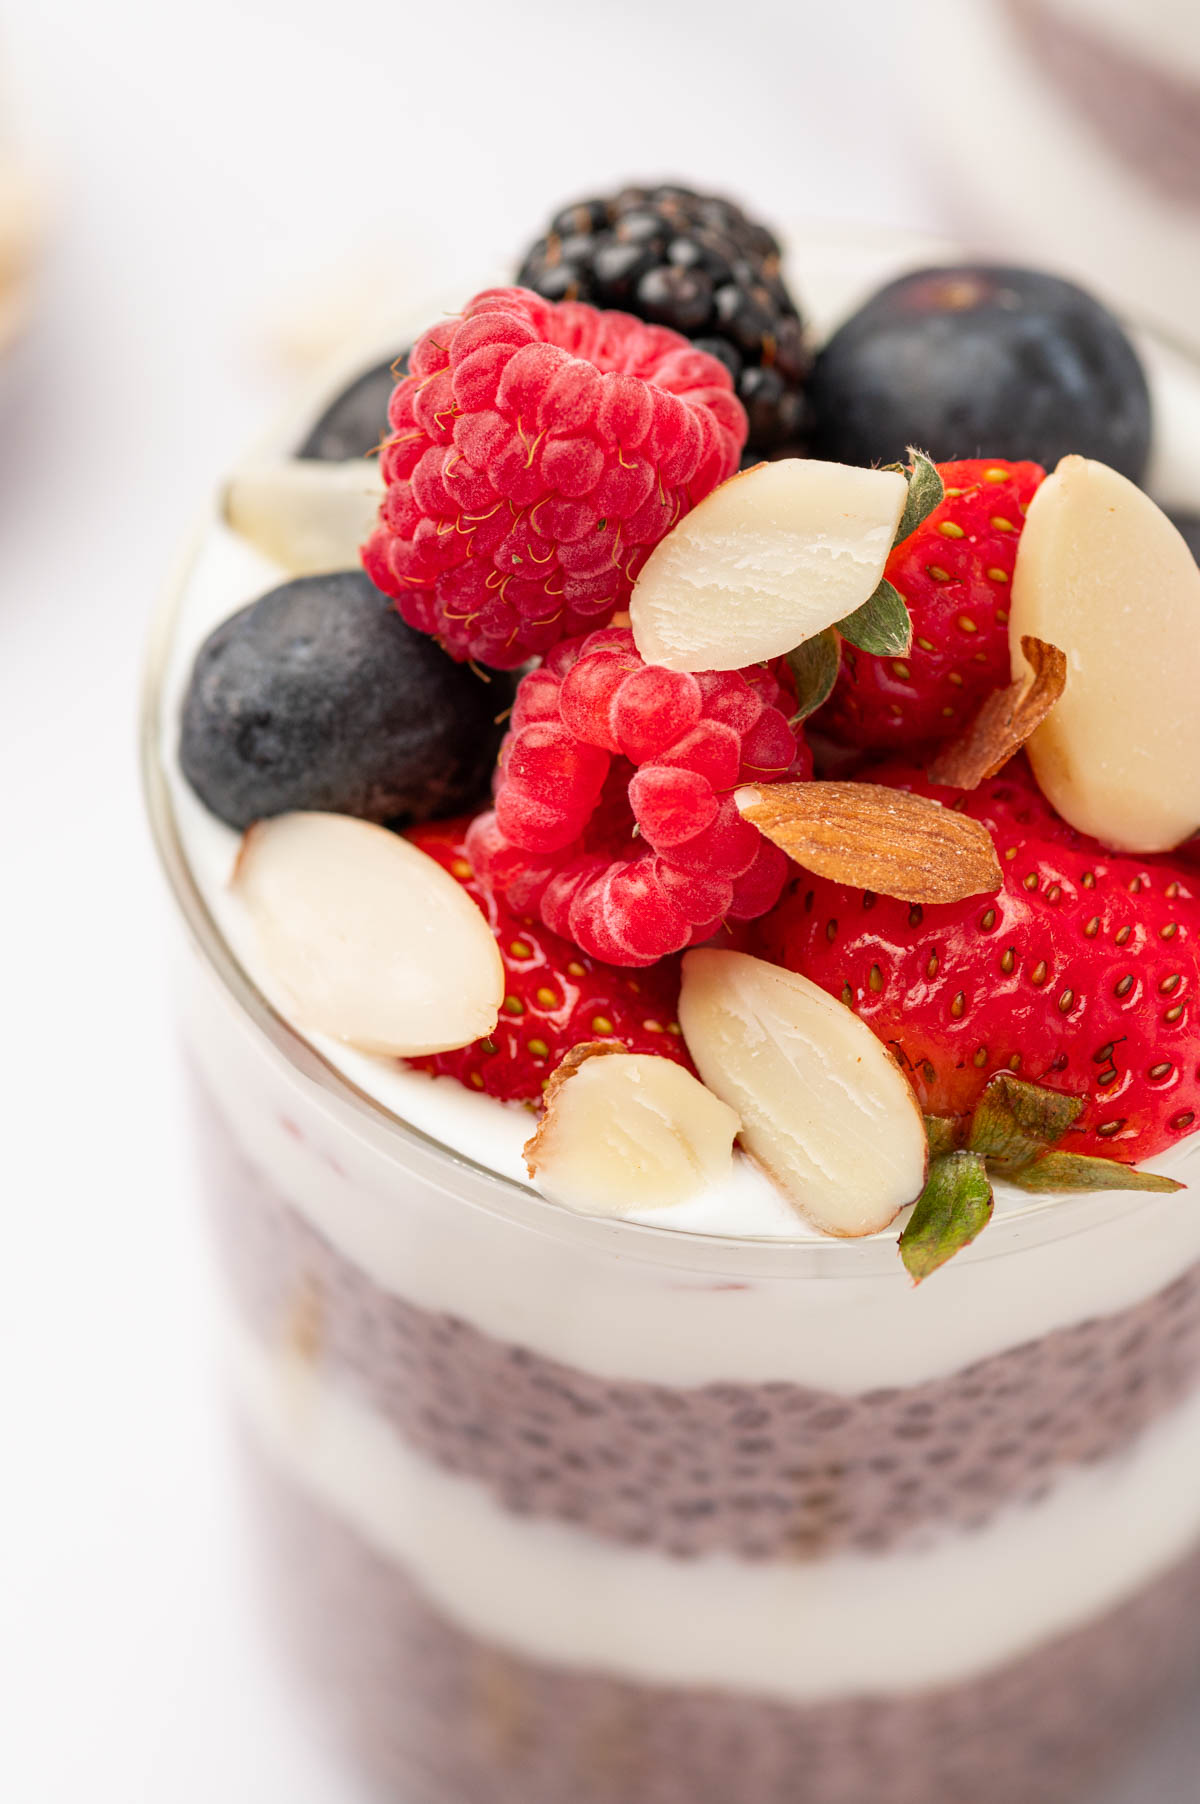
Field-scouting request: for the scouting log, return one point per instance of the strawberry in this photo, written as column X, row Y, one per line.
column 954, row 571
column 1082, row 974
column 556, row 996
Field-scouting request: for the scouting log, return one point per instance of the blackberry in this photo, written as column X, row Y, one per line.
column 698, row 264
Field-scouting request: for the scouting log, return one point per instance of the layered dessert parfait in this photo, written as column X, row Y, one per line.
column 692, row 1000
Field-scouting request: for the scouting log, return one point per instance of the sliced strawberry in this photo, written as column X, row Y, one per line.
column 556, row 996
column 1081, row 975
column 955, row 573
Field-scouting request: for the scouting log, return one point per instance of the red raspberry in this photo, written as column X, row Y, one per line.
column 955, row 573
column 555, row 998
column 539, row 453
column 614, row 819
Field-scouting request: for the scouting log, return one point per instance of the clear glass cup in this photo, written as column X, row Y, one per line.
column 557, row 1510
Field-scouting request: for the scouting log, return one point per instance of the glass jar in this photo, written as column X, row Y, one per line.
column 558, row 1510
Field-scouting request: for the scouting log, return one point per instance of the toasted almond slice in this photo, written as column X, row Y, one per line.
column 825, row 1109
column 767, row 560
column 306, row 515
column 628, row 1131
column 876, row 838
column 1005, row 721
column 371, row 940
column 1102, row 572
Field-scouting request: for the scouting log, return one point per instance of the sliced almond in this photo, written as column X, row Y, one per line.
column 371, row 941
column 825, row 1109
column 871, row 837
column 1006, row 720
column 305, row 515
column 764, row 562
column 1102, row 572
column 628, row 1131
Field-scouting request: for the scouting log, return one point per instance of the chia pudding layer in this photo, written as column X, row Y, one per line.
column 432, row 1713
column 772, row 1471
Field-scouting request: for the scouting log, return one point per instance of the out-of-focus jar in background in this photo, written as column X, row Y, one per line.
column 23, row 210
column 1067, row 132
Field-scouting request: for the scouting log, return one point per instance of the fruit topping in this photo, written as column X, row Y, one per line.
column 1005, row 722
column 824, row 1107
column 978, row 360
column 768, row 560
column 355, row 423
column 1081, row 975
column 625, row 1131
column 317, row 696
column 696, row 263
column 954, row 573
column 876, row 838
column 1104, row 574
column 372, row 942
column 615, row 820
column 538, row 453
column 306, row 517
column 555, row 997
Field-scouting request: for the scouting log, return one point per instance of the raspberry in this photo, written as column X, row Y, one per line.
column 614, row 818
column 538, row 454
column 555, row 997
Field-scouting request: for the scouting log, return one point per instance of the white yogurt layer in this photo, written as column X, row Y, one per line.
column 800, row 1632
column 628, row 1303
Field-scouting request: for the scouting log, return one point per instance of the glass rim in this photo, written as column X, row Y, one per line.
column 1014, row 1226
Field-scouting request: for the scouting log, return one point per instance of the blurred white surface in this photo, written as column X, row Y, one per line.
column 214, row 160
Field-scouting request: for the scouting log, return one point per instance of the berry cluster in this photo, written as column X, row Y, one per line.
column 555, row 995
column 696, row 263
column 538, row 454
column 614, row 817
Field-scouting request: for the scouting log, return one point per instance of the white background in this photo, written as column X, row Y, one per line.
column 211, row 164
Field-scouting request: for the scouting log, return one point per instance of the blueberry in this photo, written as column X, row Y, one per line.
column 982, row 362
column 356, row 422
column 1189, row 525
column 318, row 696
